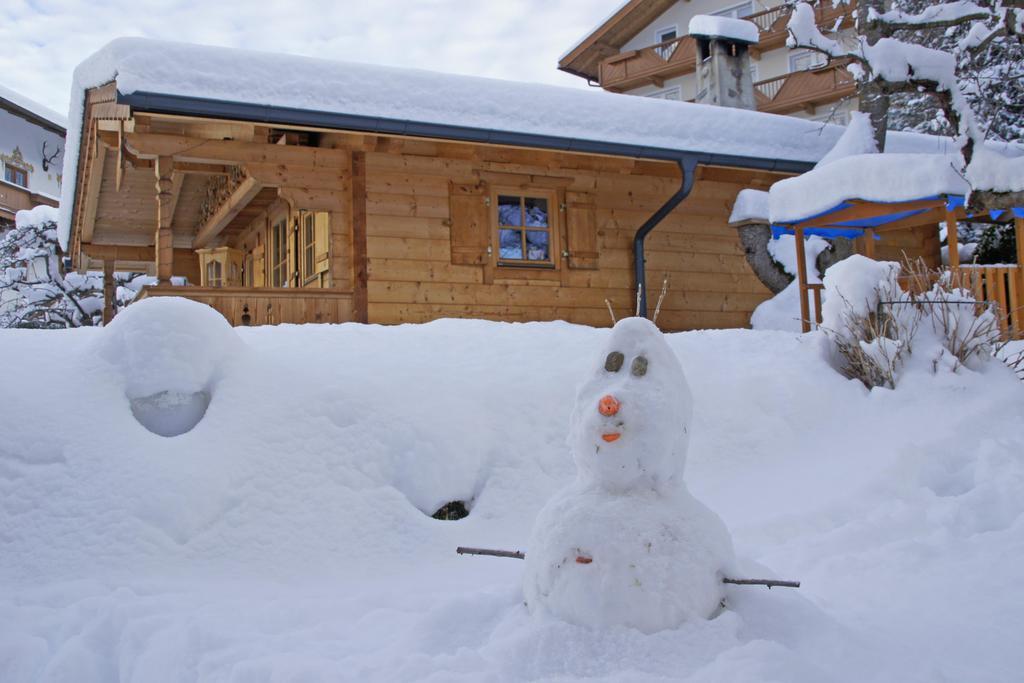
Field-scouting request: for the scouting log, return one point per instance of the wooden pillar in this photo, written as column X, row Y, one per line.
column 1018, row 274
column 869, row 242
column 801, row 276
column 108, row 291
column 953, row 242
column 360, row 268
column 164, row 239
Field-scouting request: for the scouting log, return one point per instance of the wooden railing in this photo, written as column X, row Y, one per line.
column 654, row 64
column 1000, row 285
column 649, row 65
column 266, row 306
column 804, row 89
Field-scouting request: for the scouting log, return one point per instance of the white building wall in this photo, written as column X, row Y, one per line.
column 28, row 138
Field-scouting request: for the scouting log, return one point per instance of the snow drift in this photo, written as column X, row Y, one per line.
column 288, row 537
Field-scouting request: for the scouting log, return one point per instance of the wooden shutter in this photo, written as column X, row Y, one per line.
column 259, row 267
column 293, row 278
column 581, row 230
column 322, row 235
column 470, row 219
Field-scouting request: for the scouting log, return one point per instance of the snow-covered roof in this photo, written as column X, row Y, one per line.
column 751, row 206
column 724, row 27
column 33, row 107
column 411, row 100
column 884, row 178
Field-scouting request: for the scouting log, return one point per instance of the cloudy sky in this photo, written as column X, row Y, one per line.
column 516, row 39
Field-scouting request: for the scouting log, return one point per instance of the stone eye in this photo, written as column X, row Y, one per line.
column 639, row 368
column 614, row 361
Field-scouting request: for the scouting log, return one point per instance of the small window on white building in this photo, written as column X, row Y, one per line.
column 663, row 35
column 675, row 93
column 736, row 11
column 805, row 60
column 15, row 175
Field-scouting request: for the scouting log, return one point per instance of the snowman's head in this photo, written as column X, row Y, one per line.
column 630, row 427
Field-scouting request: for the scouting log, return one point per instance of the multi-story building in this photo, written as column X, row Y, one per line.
column 644, row 49
column 31, row 155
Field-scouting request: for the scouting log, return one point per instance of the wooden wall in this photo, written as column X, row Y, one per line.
column 409, row 225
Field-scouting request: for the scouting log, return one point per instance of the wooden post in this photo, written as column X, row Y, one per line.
column 953, row 242
column 164, row 240
column 108, row 291
column 801, row 275
column 1018, row 310
column 869, row 242
column 360, row 269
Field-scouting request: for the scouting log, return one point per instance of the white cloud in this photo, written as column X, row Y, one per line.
column 515, row 39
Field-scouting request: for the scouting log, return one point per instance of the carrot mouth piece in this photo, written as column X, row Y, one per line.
column 614, row 436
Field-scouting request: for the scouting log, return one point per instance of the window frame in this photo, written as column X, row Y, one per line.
column 553, row 227
column 798, row 54
column 277, row 264
column 12, row 169
column 307, row 247
column 664, row 94
column 667, row 51
column 731, row 10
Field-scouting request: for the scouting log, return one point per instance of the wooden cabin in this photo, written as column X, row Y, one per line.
column 356, row 193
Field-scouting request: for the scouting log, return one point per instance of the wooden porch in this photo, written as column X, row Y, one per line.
column 243, row 306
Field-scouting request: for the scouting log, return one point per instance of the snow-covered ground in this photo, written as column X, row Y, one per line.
column 287, row 537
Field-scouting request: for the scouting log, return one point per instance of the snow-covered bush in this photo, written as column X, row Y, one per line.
column 35, row 291
column 876, row 328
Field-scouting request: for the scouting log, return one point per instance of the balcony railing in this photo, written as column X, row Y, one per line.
column 265, row 305
column 650, row 64
column 653, row 65
column 804, row 89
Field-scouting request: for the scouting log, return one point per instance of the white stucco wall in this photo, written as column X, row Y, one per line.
column 28, row 138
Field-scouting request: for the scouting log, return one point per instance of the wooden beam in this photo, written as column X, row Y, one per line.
column 93, row 180
column 952, row 239
column 200, row 150
column 118, row 252
column 869, row 243
column 360, row 266
column 227, row 211
column 861, row 210
column 164, row 239
column 177, row 180
column 801, row 276
column 108, row 291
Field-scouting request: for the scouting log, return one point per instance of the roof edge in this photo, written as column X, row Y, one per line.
column 184, row 105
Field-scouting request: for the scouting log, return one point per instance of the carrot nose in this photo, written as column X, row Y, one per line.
column 608, row 405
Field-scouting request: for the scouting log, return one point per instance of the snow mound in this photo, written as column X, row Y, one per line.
column 751, row 206
column 724, row 27
column 169, row 353
column 37, row 215
column 855, row 286
column 858, row 138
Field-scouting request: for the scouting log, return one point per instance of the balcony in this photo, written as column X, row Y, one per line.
column 265, row 305
column 804, row 90
column 655, row 64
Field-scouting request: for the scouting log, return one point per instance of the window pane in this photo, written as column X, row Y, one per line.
column 510, row 243
column 536, row 212
column 537, row 245
column 509, row 212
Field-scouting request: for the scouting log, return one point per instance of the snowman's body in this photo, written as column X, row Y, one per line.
column 626, row 543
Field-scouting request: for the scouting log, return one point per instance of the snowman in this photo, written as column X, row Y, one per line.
column 626, row 544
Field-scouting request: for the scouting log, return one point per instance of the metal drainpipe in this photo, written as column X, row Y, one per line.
column 688, row 167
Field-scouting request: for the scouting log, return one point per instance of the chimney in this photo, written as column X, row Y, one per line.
column 723, row 60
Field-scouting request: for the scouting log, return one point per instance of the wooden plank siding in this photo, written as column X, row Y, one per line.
column 412, row 277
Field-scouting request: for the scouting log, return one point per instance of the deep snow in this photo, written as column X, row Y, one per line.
column 285, row 537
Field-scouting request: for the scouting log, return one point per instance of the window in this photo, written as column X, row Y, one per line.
column 279, row 254
column 805, row 60
column 214, row 274
column 13, row 174
column 663, row 36
column 736, row 11
column 675, row 93
column 525, row 229
column 308, row 247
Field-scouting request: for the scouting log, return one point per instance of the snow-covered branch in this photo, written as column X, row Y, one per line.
column 943, row 15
